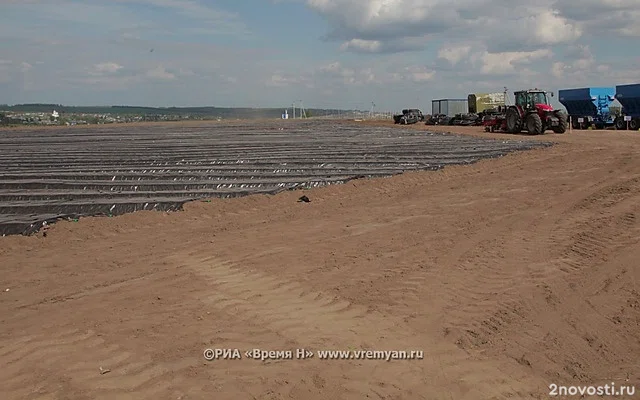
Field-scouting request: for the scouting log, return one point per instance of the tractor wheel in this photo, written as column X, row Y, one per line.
column 562, row 122
column 634, row 124
column 514, row 120
column 621, row 124
column 534, row 124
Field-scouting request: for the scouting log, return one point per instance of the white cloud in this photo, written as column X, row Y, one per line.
column 160, row 73
column 581, row 61
column 551, row 28
column 385, row 46
column 583, row 69
column 503, row 26
column 373, row 26
column 105, row 68
column 454, row 54
column 360, row 45
column 422, row 76
column 337, row 73
column 618, row 17
column 413, row 73
column 335, row 76
column 277, row 80
column 286, row 80
column 508, row 62
column 391, row 18
column 558, row 69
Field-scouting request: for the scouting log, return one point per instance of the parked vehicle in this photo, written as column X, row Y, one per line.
column 438, row 119
column 629, row 97
column 409, row 116
column 534, row 113
column 588, row 107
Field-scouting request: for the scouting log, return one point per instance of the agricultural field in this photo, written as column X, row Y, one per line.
column 499, row 276
column 49, row 174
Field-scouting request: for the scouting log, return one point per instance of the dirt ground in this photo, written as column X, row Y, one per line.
column 510, row 275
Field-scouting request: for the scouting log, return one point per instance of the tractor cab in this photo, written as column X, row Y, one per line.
column 533, row 99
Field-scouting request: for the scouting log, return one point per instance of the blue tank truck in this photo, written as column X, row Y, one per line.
column 629, row 97
column 588, row 107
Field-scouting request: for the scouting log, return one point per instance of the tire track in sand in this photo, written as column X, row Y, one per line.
column 465, row 285
column 586, row 239
column 408, row 284
column 593, row 241
column 317, row 321
column 582, row 241
column 609, row 196
column 478, row 294
column 42, row 365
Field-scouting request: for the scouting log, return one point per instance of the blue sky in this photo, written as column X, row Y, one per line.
column 327, row 53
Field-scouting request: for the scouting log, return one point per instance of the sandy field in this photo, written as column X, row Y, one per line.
column 509, row 276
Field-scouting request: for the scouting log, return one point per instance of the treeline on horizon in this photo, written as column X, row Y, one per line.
column 137, row 110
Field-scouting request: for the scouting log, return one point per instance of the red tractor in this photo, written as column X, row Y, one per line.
column 533, row 112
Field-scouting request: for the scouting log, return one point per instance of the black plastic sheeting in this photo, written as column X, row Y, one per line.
column 69, row 173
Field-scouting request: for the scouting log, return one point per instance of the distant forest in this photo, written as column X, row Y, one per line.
column 194, row 111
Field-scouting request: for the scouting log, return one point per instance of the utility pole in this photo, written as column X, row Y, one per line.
column 294, row 110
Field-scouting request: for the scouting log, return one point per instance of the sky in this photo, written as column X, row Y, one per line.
column 348, row 54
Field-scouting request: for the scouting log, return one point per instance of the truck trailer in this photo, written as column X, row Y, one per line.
column 480, row 102
column 629, row 97
column 588, row 107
